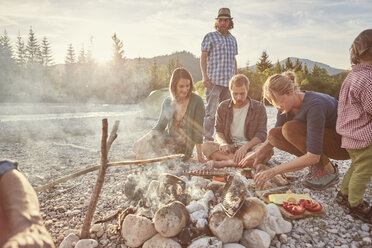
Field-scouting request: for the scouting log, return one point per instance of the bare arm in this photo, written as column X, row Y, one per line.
column 240, row 153
column 236, row 66
column 294, row 165
column 20, row 204
column 221, row 140
column 203, row 66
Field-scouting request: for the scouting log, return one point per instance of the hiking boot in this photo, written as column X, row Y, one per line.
column 341, row 199
column 322, row 179
column 362, row 212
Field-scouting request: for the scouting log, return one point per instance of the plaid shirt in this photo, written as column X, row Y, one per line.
column 354, row 121
column 221, row 57
column 255, row 124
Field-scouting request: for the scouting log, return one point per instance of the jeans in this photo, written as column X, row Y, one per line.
column 214, row 95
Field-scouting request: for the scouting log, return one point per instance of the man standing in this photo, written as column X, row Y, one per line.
column 240, row 125
column 218, row 65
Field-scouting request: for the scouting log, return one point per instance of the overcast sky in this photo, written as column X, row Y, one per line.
column 320, row 30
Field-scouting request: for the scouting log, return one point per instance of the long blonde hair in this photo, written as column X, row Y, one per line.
column 279, row 84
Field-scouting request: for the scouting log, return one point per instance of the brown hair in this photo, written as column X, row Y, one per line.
column 177, row 74
column 231, row 24
column 279, row 84
column 239, row 80
column 361, row 47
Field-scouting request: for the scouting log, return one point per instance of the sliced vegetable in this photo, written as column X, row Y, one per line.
column 317, row 207
column 294, row 198
column 294, row 209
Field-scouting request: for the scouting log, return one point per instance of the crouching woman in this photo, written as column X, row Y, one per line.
column 305, row 127
column 180, row 125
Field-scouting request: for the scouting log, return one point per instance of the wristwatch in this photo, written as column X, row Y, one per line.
column 6, row 165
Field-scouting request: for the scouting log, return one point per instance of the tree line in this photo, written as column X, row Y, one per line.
column 28, row 73
column 317, row 79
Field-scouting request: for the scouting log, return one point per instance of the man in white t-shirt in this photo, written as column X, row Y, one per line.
column 240, row 125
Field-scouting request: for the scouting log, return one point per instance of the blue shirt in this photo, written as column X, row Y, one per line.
column 319, row 111
column 221, row 58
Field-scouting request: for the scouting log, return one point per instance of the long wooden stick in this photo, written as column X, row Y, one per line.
column 99, row 182
column 96, row 167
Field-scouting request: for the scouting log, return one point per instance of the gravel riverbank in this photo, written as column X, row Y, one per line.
column 52, row 148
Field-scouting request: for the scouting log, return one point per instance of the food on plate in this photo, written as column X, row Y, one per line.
column 294, row 209
column 288, row 197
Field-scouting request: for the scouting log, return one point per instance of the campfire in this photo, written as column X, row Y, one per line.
column 191, row 210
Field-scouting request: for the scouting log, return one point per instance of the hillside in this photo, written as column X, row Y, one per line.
column 187, row 59
column 309, row 63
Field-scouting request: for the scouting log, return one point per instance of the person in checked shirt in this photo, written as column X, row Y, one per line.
column 218, row 66
column 354, row 123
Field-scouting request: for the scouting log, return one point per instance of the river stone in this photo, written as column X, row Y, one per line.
column 86, row 243
column 69, row 241
column 206, row 242
column 274, row 223
column 136, row 230
column 255, row 238
column 253, row 213
column 159, row 241
column 226, row 229
column 97, row 229
column 233, row 245
column 170, row 219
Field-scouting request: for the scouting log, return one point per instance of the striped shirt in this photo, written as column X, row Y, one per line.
column 354, row 121
column 221, row 58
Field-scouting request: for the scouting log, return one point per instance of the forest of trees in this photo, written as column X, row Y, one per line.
column 28, row 73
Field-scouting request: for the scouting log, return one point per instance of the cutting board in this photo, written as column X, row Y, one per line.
column 290, row 216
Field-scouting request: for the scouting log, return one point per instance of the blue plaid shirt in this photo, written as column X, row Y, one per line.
column 221, row 57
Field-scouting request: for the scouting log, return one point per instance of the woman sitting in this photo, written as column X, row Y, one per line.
column 180, row 125
column 305, row 127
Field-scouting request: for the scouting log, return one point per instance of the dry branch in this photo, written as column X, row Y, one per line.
column 99, row 182
column 96, row 167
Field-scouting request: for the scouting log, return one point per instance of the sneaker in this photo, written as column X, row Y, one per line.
column 362, row 211
column 322, row 179
column 341, row 199
column 312, row 170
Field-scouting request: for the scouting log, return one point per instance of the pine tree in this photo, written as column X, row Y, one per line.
column 82, row 59
column 278, row 67
column 288, row 65
column 70, row 57
column 6, row 51
column 20, row 52
column 153, row 70
column 178, row 62
column 171, row 66
column 263, row 63
column 46, row 53
column 306, row 70
column 32, row 48
column 118, row 57
column 297, row 66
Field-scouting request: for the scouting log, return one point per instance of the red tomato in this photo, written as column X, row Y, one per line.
column 317, row 207
column 297, row 210
column 305, row 202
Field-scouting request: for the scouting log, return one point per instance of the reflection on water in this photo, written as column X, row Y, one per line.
column 11, row 112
